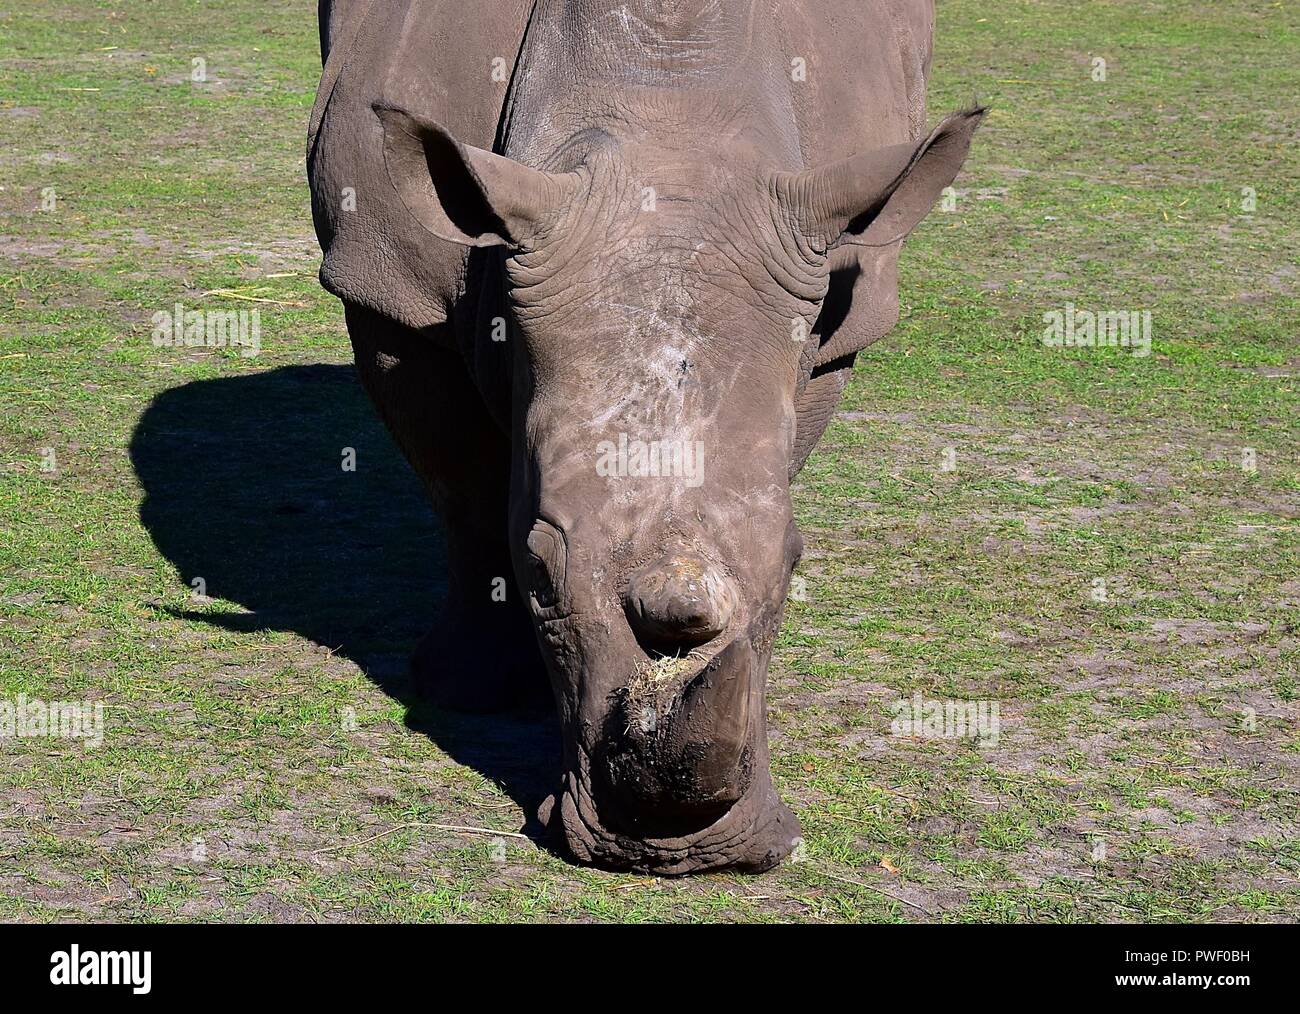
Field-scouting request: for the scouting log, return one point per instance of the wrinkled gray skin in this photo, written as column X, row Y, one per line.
column 678, row 239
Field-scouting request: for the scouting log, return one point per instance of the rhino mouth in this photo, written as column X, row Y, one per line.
column 753, row 836
column 677, row 780
column 677, row 753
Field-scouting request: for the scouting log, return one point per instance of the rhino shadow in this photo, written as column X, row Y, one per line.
column 245, row 490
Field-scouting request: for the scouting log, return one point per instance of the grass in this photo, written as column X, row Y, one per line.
column 1069, row 533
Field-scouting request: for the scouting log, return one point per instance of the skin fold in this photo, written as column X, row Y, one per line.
column 606, row 267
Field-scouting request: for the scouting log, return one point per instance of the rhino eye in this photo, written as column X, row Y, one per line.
column 546, row 559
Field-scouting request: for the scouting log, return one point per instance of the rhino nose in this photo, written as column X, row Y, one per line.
column 680, row 601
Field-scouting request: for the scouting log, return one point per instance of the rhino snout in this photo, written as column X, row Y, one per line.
column 681, row 601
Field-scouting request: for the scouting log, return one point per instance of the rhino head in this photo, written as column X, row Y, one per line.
column 663, row 300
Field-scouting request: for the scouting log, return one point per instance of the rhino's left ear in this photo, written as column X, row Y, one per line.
column 878, row 197
column 466, row 195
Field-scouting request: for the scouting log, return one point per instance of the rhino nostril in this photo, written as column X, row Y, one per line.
column 681, row 601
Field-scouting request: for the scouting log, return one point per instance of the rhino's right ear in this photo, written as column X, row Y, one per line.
column 466, row 195
column 879, row 196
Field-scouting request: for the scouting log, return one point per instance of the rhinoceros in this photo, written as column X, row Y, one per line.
column 606, row 266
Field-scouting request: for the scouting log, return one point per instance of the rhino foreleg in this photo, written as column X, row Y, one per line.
column 481, row 654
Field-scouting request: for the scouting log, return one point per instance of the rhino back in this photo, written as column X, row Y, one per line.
column 867, row 64
column 811, row 80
